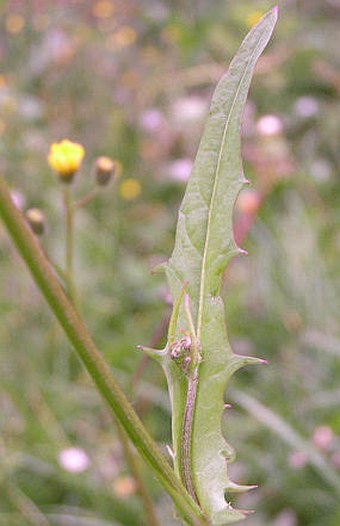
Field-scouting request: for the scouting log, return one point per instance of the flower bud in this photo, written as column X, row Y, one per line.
column 36, row 220
column 65, row 158
column 105, row 168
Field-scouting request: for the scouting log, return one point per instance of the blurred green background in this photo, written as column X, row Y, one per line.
column 133, row 80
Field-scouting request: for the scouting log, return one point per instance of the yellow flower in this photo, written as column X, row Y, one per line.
column 65, row 158
column 130, row 189
column 14, row 23
column 103, row 9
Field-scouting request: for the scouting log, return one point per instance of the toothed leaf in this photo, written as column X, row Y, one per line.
column 204, row 245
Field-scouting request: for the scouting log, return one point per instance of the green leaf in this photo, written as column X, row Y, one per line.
column 198, row 373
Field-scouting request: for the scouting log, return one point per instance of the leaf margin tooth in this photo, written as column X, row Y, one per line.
column 155, row 354
column 228, row 515
column 159, row 268
column 233, row 487
column 239, row 361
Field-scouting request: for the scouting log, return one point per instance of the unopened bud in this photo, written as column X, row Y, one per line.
column 36, row 220
column 105, row 168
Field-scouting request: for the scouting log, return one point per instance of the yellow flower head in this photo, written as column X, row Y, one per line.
column 65, row 158
column 130, row 189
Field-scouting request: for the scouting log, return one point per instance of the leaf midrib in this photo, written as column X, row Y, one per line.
column 218, row 166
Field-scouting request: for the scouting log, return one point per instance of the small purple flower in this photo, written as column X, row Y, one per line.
column 151, row 120
column 180, row 169
column 306, row 107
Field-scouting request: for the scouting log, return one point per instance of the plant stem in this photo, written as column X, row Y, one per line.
column 154, row 340
column 69, row 209
column 68, row 216
column 79, row 337
column 134, row 469
column 25, row 506
column 85, row 199
column 287, row 433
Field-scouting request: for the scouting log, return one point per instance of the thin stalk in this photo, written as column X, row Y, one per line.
column 154, row 340
column 25, row 506
column 287, row 434
column 87, row 198
column 69, row 241
column 134, row 470
column 79, row 337
column 70, row 209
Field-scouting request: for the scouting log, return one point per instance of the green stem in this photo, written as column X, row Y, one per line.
column 79, row 337
column 87, row 198
column 25, row 506
column 68, row 216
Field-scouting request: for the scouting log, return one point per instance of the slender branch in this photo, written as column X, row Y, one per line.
column 155, row 338
column 97, row 367
column 68, row 216
column 25, row 505
column 85, row 199
column 134, row 469
column 287, row 433
column 69, row 209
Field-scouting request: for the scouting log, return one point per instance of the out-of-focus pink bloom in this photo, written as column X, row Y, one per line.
column 248, row 119
column 73, row 460
column 124, row 487
column 180, row 169
column 18, row 199
column 269, row 125
column 166, row 296
column 247, row 206
column 248, row 202
column 335, row 459
column 285, row 518
column 298, row 459
column 188, row 110
column 322, row 437
column 306, row 107
column 151, row 120
column 55, row 48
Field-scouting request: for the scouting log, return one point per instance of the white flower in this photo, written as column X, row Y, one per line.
column 73, row 460
column 269, row 125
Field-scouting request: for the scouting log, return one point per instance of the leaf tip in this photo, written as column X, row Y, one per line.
column 160, row 268
column 153, row 353
column 170, row 452
column 247, row 512
column 242, row 252
column 263, row 362
column 242, row 361
column 239, row 488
